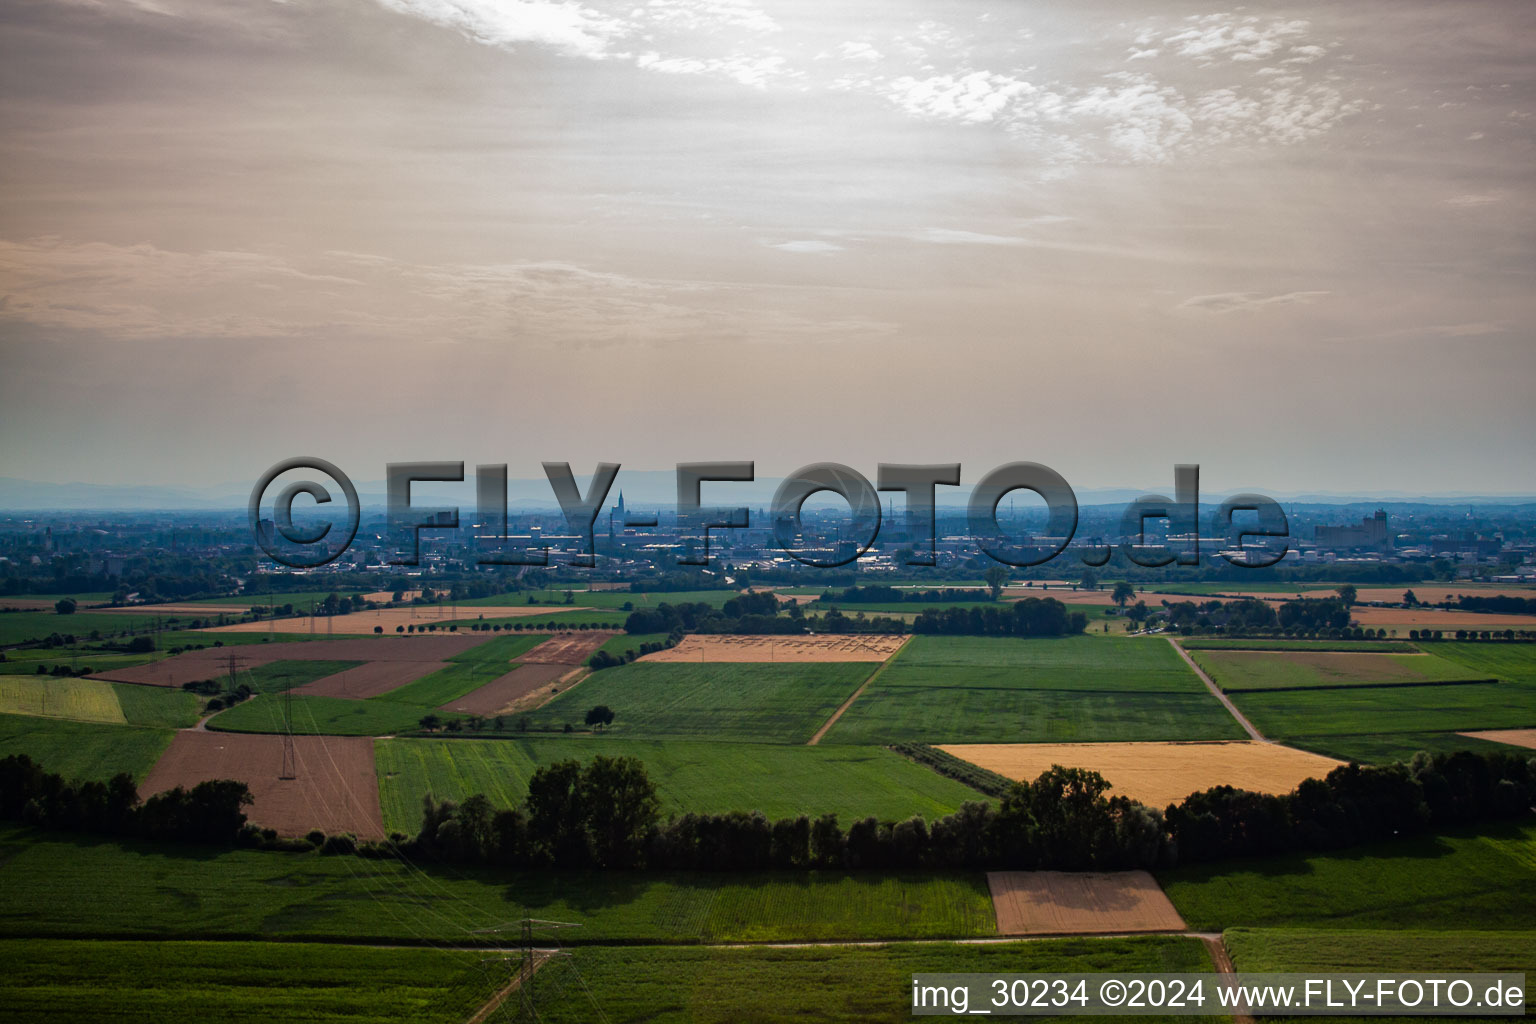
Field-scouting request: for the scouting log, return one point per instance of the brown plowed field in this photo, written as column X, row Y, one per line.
column 1514, row 737
column 1157, row 774
column 497, row 694
column 1438, row 593
column 566, row 649
column 1079, row 902
column 213, row 663
column 371, row 679
column 335, row 790
column 820, row 647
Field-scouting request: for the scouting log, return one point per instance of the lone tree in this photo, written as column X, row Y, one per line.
column 1347, row 594
column 1089, row 580
column 995, row 576
column 1410, row 598
column 600, row 716
column 1123, row 593
column 65, row 607
column 430, row 723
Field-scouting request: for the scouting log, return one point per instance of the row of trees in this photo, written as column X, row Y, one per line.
column 210, row 812
column 606, row 815
column 1033, row 616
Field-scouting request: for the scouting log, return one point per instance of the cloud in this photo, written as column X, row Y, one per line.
column 141, row 291
column 1474, row 199
column 1213, row 36
column 806, row 246
column 562, row 25
column 948, row 236
column 1233, row 302
column 974, row 98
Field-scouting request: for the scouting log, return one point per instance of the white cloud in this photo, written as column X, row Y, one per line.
column 806, row 246
column 563, row 25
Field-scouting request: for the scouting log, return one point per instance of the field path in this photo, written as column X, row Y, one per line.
column 540, row 957
column 1223, row 963
column 1216, row 692
column 829, row 723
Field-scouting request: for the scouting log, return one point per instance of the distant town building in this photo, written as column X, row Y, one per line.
column 1371, row 533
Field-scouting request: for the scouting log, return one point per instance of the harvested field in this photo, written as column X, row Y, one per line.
column 1436, row 594
column 371, row 679
column 566, row 649
column 1439, row 619
column 1514, row 737
column 31, row 604
column 386, row 596
column 186, row 608
column 1080, row 902
column 497, row 694
column 335, row 789
column 388, row 618
column 1157, row 774
column 818, row 648
column 213, row 663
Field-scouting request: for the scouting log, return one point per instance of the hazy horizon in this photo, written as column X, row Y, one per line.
column 1292, row 244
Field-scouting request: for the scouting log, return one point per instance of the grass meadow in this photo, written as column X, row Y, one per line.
column 753, row 702
column 1012, row 690
column 704, row 777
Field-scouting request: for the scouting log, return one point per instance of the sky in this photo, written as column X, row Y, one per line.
column 1291, row 243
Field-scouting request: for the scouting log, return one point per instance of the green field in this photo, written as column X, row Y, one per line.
column 1398, row 746
column 1011, row 690
column 21, row 627
column 277, row 676
column 24, row 660
column 83, row 700
column 1197, row 643
column 192, row 982
column 465, row 673
column 299, row 599
column 819, row 986
column 157, row 706
column 631, row 642
column 83, row 750
column 1286, row 670
column 1392, row 723
column 53, row 887
column 1458, row 881
column 1397, row 951
column 767, row 703
column 610, row 599
column 780, row 781
column 315, row 715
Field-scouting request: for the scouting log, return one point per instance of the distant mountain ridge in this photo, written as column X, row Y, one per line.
column 643, row 490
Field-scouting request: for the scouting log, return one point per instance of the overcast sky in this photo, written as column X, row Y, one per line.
column 1291, row 243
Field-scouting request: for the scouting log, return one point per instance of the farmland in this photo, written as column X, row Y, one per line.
column 1456, row 881
column 1390, row 723
column 1157, row 774
column 84, row 700
column 52, row 886
column 1287, row 670
column 820, row 647
column 704, row 777
column 191, row 982
column 312, row 715
column 828, row 985
column 1009, row 690
column 466, row 672
column 82, row 750
column 748, row 702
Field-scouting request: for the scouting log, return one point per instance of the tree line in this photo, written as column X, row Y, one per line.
column 210, row 812
column 1032, row 616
